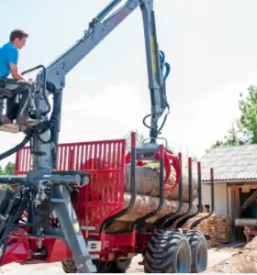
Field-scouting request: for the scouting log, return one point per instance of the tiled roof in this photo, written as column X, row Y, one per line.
column 231, row 163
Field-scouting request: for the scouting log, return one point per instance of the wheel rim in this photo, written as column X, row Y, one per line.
column 201, row 257
column 183, row 258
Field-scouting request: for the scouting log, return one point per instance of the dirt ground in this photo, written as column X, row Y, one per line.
column 216, row 255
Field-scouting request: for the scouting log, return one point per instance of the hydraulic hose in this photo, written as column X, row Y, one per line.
column 17, row 147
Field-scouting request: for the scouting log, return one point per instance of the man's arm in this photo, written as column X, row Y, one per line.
column 13, row 64
column 14, row 71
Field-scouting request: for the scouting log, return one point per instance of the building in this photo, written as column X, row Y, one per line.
column 235, row 180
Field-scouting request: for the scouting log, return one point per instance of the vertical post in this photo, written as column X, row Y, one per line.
column 133, row 168
column 197, row 222
column 199, row 172
column 161, row 176
column 212, row 191
column 180, row 187
column 190, row 183
column 108, row 222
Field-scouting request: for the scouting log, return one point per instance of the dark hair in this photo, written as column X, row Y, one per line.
column 17, row 34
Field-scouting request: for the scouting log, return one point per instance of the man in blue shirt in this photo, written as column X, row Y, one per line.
column 17, row 85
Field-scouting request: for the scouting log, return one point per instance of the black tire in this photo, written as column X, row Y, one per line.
column 168, row 252
column 199, row 251
column 122, row 265
column 68, row 266
column 117, row 266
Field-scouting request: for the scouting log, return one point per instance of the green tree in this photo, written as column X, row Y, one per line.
column 1, row 171
column 232, row 138
column 247, row 122
column 244, row 129
column 9, row 168
column 194, row 159
column 139, row 139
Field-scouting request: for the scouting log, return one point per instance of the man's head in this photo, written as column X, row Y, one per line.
column 18, row 38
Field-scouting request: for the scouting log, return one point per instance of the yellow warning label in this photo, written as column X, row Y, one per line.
column 153, row 55
column 76, row 227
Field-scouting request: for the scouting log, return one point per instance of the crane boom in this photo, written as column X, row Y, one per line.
column 44, row 138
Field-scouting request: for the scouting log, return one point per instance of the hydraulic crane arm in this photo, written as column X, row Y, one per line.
column 98, row 29
column 44, row 137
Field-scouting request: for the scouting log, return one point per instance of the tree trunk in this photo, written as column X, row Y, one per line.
column 144, row 205
column 147, row 183
column 244, row 261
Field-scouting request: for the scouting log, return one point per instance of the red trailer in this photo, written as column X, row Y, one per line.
column 101, row 202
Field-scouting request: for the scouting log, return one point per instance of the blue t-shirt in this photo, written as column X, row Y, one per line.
column 8, row 54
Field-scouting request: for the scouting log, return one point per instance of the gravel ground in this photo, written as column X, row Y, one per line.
column 215, row 256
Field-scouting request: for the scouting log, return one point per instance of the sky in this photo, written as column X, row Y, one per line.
column 210, row 45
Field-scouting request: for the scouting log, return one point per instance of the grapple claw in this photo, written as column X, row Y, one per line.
column 170, row 160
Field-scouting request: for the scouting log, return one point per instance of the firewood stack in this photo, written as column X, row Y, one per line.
column 218, row 227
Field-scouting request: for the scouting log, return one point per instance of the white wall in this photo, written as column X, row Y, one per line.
column 220, row 198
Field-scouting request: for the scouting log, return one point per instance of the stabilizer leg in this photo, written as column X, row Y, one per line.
column 71, row 230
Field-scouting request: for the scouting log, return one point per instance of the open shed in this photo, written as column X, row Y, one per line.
column 235, row 177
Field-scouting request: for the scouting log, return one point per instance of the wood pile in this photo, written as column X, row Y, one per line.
column 244, row 261
column 218, row 227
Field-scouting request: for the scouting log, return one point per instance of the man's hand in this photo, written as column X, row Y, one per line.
column 26, row 83
column 32, row 81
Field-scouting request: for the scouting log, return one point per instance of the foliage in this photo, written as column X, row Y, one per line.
column 194, row 159
column 231, row 139
column 244, row 129
column 8, row 169
column 247, row 122
column 139, row 139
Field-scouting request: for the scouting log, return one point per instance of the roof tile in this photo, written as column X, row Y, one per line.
column 230, row 163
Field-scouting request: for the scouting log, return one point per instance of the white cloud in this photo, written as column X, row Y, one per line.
column 111, row 113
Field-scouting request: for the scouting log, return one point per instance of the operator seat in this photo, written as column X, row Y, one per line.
column 13, row 126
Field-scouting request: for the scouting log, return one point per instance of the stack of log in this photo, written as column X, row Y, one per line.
column 218, row 227
column 147, row 198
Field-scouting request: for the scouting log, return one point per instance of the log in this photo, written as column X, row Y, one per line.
column 147, row 183
column 147, row 180
column 245, row 222
column 244, row 261
column 144, row 205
